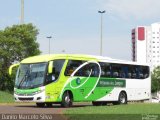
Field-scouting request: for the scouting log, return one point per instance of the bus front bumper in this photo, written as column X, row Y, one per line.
column 39, row 97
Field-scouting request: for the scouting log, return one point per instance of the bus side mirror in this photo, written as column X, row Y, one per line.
column 11, row 68
column 50, row 67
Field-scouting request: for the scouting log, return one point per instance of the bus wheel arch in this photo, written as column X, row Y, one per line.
column 67, row 99
column 122, row 98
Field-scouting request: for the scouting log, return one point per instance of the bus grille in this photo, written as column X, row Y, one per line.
column 25, row 99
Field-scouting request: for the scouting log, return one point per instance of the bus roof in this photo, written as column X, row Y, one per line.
column 48, row 57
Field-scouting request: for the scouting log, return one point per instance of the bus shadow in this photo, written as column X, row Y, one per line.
column 53, row 106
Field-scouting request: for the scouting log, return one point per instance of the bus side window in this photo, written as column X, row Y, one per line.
column 108, row 73
column 134, row 72
column 129, row 75
column 116, row 70
column 57, row 66
column 91, row 69
column 143, row 72
column 105, row 69
column 130, row 71
column 140, row 73
column 124, row 71
column 108, row 70
column 72, row 66
column 69, row 71
column 146, row 71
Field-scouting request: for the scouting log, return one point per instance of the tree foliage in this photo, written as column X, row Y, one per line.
column 16, row 43
column 155, row 85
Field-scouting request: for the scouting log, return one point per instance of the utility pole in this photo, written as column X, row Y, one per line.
column 22, row 11
column 101, row 41
column 49, row 37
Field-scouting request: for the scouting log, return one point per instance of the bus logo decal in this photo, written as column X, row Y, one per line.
column 72, row 75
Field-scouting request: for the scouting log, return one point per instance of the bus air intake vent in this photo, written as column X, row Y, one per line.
column 25, row 99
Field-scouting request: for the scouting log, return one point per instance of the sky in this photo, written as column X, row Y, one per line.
column 75, row 24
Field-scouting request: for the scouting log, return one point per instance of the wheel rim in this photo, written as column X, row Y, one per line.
column 67, row 99
column 122, row 98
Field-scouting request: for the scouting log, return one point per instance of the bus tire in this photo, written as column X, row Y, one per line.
column 40, row 104
column 67, row 99
column 122, row 99
column 49, row 104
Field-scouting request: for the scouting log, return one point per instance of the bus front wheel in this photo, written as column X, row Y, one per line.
column 67, row 99
column 49, row 104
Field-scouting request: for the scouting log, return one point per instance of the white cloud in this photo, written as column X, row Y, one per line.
column 140, row 9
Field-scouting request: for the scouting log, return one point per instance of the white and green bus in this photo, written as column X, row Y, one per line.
column 67, row 78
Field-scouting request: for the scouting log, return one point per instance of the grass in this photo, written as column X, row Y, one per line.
column 6, row 97
column 134, row 111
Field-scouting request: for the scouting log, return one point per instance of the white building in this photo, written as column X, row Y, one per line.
column 146, row 44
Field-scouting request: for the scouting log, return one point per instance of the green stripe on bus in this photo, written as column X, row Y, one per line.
column 111, row 83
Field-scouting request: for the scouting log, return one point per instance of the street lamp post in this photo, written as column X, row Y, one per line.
column 22, row 11
column 101, row 43
column 49, row 37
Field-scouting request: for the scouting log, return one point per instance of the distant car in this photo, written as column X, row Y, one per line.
column 155, row 100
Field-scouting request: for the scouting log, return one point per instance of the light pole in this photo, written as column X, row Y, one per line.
column 22, row 11
column 49, row 37
column 101, row 12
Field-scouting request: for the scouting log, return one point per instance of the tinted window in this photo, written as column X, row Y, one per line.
column 143, row 72
column 132, row 71
column 124, row 71
column 72, row 66
column 90, row 69
column 57, row 67
column 117, row 71
column 105, row 70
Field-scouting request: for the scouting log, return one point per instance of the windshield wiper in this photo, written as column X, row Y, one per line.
column 23, row 79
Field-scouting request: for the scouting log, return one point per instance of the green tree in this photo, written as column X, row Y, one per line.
column 155, row 84
column 16, row 43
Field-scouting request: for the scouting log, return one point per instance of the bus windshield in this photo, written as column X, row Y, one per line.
column 30, row 75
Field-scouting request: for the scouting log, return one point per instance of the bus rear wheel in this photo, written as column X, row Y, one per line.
column 122, row 98
column 40, row 104
column 67, row 99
